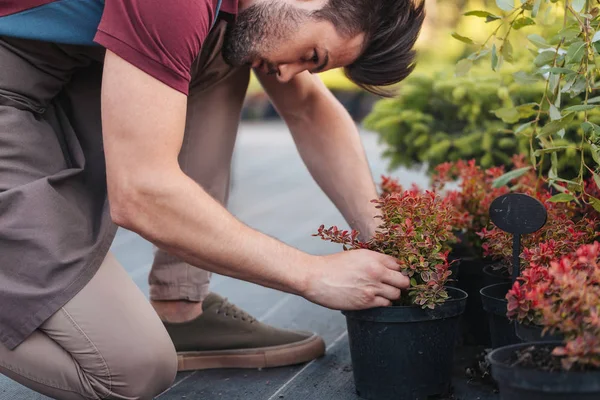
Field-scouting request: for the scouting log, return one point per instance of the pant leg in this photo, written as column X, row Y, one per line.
column 215, row 103
column 105, row 343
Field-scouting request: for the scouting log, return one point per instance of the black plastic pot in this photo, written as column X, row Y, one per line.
column 473, row 325
column 502, row 331
column 533, row 333
column 491, row 276
column 404, row 353
column 518, row 383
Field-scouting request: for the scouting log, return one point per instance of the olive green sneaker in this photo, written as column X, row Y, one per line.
column 224, row 336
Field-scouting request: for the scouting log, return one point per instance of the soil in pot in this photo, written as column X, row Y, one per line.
column 502, row 331
column 528, row 371
column 473, row 325
column 493, row 276
column 533, row 333
column 404, row 353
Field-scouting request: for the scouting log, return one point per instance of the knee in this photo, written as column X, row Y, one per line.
column 145, row 371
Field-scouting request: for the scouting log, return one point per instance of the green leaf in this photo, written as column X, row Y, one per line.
column 577, row 5
column 510, row 115
column 597, row 180
column 523, row 127
column 483, row 14
column 494, row 57
column 594, row 100
column 536, row 8
column 556, row 126
column 477, row 55
column 413, row 282
column 543, row 58
column 581, row 107
column 522, row 22
column 509, row 176
column 550, row 150
column 575, row 52
column 596, row 37
column 538, row 41
column 524, row 78
column 527, row 110
column 590, row 127
column 554, row 113
column 507, row 51
column 595, row 203
column 505, row 5
column 558, row 70
column 463, row 39
column 561, row 198
column 463, row 67
column 595, row 150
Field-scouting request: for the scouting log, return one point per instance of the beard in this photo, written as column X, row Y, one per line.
column 260, row 29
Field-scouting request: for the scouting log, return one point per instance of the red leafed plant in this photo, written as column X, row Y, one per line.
column 564, row 297
column 473, row 198
column 415, row 228
column 561, row 235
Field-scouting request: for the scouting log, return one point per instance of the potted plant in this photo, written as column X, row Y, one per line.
column 565, row 297
column 406, row 351
column 564, row 231
column 566, row 236
column 471, row 199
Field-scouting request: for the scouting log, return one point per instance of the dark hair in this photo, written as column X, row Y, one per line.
column 391, row 28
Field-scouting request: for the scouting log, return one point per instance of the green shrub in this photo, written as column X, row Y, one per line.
column 442, row 117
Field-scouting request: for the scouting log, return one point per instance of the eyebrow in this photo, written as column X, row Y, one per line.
column 323, row 64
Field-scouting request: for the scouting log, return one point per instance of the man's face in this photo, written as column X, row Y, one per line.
column 280, row 37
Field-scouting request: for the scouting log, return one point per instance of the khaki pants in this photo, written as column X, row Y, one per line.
column 107, row 342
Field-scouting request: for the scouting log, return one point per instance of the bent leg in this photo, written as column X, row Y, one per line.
column 105, row 343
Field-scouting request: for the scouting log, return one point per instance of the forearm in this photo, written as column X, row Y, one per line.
column 177, row 215
column 330, row 146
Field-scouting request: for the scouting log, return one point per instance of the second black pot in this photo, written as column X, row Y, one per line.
column 533, row 333
column 502, row 331
column 518, row 383
column 404, row 353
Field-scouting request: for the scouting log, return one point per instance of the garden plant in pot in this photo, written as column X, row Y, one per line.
column 472, row 197
column 568, row 234
column 564, row 231
column 564, row 297
column 406, row 351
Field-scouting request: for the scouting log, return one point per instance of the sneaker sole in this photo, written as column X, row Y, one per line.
column 264, row 357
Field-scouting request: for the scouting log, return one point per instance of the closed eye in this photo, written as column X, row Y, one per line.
column 315, row 57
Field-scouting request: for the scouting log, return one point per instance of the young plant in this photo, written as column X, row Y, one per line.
column 415, row 228
column 567, row 227
column 564, row 297
column 473, row 198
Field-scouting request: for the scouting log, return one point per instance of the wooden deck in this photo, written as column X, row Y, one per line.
column 274, row 193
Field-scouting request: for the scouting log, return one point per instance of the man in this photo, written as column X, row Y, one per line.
column 124, row 113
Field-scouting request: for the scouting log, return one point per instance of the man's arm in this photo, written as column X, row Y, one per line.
column 329, row 144
column 143, row 125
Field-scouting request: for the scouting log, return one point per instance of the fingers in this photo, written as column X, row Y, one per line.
column 382, row 302
column 390, row 262
column 388, row 292
column 396, row 279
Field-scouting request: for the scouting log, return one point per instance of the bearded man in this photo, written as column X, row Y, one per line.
column 124, row 113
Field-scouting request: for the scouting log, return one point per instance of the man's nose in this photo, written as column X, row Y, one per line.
column 288, row 71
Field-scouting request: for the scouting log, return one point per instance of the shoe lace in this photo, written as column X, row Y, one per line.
column 228, row 309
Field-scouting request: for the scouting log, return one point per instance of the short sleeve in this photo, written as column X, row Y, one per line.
column 160, row 37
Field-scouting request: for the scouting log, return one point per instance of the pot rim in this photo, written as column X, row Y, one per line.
column 540, row 381
column 404, row 314
column 483, row 291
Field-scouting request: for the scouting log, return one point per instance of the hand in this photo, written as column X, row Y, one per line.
column 355, row 280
